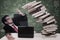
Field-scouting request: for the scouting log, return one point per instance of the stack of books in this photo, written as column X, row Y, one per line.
column 40, row 13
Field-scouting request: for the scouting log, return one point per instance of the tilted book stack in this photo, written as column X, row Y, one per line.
column 40, row 13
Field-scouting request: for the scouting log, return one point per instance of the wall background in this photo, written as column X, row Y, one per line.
column 9, row 7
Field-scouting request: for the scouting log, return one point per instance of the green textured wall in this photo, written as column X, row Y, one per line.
column 9, row 7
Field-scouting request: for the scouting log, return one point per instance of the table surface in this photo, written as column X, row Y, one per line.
column 37, row 36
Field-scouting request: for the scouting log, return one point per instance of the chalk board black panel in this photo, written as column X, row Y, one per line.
column 25, row 32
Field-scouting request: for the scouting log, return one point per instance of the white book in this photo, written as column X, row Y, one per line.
column 39, row 13
column 51, row 25
column 48, row 18
column 32, row 9
column 51, row 21
column 34, row 4
column 51, row 29
column 28, row 5
column 45, row 15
